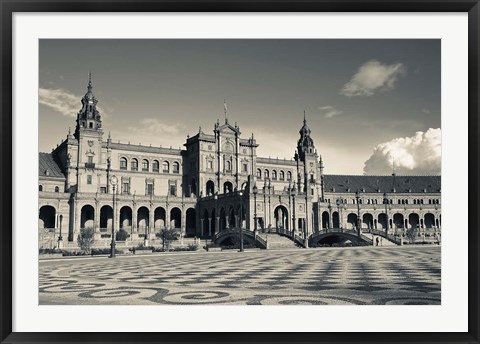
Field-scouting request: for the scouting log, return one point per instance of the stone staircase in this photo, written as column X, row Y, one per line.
column 276, row 241
column 384, row 242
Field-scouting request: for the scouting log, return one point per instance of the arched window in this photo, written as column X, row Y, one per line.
column 228, row 166
column 406, row 201
column 155, row 166
column 144, row 165
column 40, row 188
column 176, row 167
column 267, row 174
column 259, row 173
column 289, row 175
column 166, row 167
column 134, row 165
column 123, row 163
column 57, row 189
column 282, row 175
column 274, row 175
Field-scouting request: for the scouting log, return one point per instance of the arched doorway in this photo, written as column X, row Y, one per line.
column 175, row 218
column 281, row 217
column 213, row 226
column 335, row 220
column 398, row 220
column 159, row 217
column 352, row 220
column 126, row 218
column 142, row 220
column 87, row 217
column 382, row 221
column 241, row 216
column 46, row 217
column 206, row 225
column 106, row 217
column 223, row 219
column 190, row 222
column 429, row 220
column 210, row 188
column 325, row 219
column 367, row 221
column 227, row 187
column 193, row 187
column 231, row 223
column 414, row 220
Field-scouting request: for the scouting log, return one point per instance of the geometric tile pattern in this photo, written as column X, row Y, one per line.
column 358, row 275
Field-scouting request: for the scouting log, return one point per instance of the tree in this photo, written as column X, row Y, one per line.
column 85, row 239
column 121, row 235
column 167, row 236
column 412, row 235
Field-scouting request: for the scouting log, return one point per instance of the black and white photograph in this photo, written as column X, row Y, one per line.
column 239, row 172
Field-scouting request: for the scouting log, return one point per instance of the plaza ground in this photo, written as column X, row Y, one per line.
column 358, row 275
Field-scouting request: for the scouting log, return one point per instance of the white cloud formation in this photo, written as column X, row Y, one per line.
column 329, row 111
column 373, row 76
column 153, row 127
column 63, row 101
column 416, row 155
column 427, row 111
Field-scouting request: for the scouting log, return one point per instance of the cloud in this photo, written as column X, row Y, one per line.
column 329, row 111
column 417, row 155
column 427, row 111
column 373, row 76
column 63, row 101
column 152, row 126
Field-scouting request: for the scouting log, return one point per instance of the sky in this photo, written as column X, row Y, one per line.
column 372, row 105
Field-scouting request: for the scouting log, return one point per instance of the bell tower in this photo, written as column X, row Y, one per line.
column 88, row 118
column 307, row 159
column 91, row 158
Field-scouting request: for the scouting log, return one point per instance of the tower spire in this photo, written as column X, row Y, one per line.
column 225, row 109
column 89, row 81
column 304, row 117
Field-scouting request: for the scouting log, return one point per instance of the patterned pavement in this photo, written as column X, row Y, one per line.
column 360, row 275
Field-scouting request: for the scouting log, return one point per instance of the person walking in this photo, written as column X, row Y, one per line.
column 377, row 240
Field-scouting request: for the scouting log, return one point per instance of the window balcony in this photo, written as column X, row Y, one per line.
column 89, row 165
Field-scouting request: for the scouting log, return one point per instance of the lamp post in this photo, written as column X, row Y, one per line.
column 385, row 201
column 255, row 191
column 357, row 197
column 60, row 234
column 305, row 228
column 114, row 182
column 338, row 207
column 294, row 193
column 240, row 193
column 329, row 215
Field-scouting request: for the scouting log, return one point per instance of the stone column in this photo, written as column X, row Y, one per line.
column 210, row 227
column 76, row 227
column 151, row 222
column 217, row 227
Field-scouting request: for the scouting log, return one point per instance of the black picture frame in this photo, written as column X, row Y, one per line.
column 9, row 7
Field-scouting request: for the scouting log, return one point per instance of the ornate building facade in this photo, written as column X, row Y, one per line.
column 215, row 183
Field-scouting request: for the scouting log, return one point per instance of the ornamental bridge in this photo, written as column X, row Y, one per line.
column 230, row 238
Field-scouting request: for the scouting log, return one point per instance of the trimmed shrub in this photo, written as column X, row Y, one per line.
column 122, row 235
